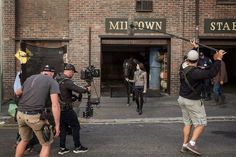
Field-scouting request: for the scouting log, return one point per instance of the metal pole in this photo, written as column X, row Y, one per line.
column 90, row 42
column 1, row 53
column 172, row 35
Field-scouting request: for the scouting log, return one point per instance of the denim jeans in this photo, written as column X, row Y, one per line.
column 217, row 89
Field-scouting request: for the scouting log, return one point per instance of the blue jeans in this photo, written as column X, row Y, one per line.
column 217, row 89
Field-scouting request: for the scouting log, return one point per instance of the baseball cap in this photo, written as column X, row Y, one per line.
column 70, row 67
column 192, row 55
column 48, row 68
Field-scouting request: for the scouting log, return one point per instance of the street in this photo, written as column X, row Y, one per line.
column 138, row 140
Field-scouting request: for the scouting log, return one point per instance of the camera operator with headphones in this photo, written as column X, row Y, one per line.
column 68, row 115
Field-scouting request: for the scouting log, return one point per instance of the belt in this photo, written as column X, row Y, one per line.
column 32, row 112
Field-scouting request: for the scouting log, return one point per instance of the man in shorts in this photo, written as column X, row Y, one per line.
column 33, row 96
column 189, row 100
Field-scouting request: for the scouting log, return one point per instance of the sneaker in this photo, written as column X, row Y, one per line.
column 63, row 151
column 183, row 149
column 193, row 149
column 80, row 149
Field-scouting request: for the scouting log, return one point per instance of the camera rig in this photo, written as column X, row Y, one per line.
column 88, row 74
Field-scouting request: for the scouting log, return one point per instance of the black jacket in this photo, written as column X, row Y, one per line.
column 67, row 86
column 195, row 77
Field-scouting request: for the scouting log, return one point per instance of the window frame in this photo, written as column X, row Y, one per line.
column 226, row 2
column 139, row 5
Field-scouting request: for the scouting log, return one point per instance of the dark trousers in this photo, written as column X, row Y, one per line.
column 139, row 97
column 206, row 91
column 69, row 118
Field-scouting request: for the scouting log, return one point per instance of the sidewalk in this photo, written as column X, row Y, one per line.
column 155, row 110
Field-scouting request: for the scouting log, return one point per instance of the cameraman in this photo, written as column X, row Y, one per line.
column 68, row 115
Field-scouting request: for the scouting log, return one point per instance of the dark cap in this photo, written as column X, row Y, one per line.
column 70, row 67
column 48, row 68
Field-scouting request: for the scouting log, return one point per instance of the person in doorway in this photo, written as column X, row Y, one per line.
column 189, row 99
column 30, row 110
column 218, row 81
column 68, row 115
column 140, row 86
column 205, row 63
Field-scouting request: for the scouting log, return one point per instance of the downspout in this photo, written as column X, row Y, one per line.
column 1, row 54
column 90, row 44
column 197, row 20
column 183, row 20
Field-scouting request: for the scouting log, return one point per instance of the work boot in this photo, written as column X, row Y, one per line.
column 137, row 109
column 216, row 98
column 222, row 101
column 140, row 109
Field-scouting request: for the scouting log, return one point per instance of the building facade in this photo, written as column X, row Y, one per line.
column 99, row 33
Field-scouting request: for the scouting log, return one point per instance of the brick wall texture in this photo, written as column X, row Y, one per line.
column 72, row 19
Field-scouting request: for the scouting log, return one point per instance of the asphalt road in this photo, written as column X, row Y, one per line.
column 139, row 140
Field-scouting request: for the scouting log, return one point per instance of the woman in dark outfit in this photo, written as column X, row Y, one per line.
column 140, row 86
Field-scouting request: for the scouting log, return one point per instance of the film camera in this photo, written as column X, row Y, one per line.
column 89, row 73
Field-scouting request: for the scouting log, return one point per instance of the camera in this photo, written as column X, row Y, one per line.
column 89, row 73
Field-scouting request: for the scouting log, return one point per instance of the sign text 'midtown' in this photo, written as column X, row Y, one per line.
column 119, row 25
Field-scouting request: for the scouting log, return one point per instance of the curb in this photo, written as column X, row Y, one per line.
column 162, row 120
column 165, row 120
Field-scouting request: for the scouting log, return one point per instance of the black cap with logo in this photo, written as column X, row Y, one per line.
column 48, row 68
column 70, row 67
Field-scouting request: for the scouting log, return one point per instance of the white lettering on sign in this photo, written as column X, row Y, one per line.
column 222, row 26
column 142, row 25
column 118, row 25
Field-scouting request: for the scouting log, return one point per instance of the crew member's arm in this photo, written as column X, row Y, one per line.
column 214, row 69
column 56, row 112
column 194, row 43
column 18, row 92
column 17, row 85
column 78, row 89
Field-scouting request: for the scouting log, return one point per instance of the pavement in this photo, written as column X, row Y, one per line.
column 163, row 109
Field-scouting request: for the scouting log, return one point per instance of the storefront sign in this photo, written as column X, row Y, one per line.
column 143, row 25
column 220, row 26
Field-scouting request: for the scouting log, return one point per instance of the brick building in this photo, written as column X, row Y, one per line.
column 98, row 32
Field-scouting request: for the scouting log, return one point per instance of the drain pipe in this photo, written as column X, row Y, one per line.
column 90, row 44
column 1, row 53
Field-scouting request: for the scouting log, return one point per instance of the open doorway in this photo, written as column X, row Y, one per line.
column 112, row 60
column 229, row 59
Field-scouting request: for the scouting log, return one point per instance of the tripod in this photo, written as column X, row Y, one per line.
column 89, row 108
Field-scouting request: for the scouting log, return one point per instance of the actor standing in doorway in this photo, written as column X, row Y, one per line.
column 140, row 86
